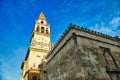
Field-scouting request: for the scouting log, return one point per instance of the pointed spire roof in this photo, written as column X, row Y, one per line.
column 41, row 16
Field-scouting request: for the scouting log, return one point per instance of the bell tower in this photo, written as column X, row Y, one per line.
column 39, row 47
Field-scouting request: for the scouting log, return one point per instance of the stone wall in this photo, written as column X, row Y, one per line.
column 83, row 57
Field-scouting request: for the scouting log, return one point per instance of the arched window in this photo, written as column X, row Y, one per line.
column 34, row 78
column 42, row 29
column 47, row 31
column 37, row 29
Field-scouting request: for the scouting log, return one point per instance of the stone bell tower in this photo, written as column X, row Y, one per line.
column 40, row 46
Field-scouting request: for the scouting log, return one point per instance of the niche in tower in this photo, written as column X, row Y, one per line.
column 42, row 29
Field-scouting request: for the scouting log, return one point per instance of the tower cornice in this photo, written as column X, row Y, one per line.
column 43, row 34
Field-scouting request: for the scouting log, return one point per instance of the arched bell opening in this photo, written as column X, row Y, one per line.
column 47, row 32
column 34, row 78
column 42, row 29
column 37, row 28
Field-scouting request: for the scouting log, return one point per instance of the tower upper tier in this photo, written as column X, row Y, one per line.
column 41, row 19
column 41, row 25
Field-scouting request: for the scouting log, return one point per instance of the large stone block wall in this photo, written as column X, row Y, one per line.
column 84, row 60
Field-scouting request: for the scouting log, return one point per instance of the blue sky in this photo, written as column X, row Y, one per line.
column 17, row 18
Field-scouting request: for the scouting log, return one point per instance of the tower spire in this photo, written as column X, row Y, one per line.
column 42, row 16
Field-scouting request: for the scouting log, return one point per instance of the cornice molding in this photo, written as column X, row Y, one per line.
column 43, row 34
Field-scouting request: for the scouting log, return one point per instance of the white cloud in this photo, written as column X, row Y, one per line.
column 115, row 22
column 106, row 28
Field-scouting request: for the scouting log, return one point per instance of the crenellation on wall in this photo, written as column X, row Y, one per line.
column 78, row 56
column 85, row 30
column 116, row 38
